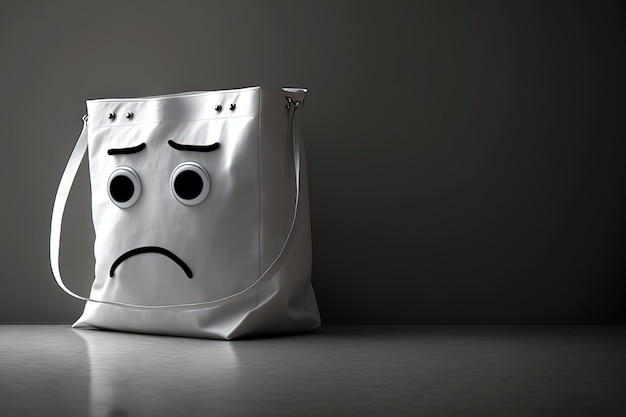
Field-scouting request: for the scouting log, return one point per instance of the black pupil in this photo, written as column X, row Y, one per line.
column 188, row 185
column 122, row 188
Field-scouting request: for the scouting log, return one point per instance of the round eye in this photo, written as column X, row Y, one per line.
column 190, row 183
column 124, row 187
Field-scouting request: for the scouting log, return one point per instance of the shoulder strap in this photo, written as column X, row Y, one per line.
column 59, row 206
column 67, row 179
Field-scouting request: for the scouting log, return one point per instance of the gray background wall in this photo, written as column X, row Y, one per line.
column 466, row 158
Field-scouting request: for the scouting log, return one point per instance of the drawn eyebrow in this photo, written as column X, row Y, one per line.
column 195, row 148
column 122, row 151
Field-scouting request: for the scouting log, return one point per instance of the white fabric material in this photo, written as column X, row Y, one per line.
column 246, row 246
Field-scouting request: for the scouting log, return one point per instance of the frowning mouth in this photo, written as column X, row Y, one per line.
column 150, row 249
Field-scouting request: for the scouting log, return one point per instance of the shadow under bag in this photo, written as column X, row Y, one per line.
column 201, row 214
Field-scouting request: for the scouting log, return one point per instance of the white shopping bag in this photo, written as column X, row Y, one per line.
column 201, row 214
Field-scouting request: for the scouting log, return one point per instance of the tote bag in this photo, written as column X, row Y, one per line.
column 201, row 214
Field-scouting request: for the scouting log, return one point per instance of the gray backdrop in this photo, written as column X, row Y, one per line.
column 466, row 158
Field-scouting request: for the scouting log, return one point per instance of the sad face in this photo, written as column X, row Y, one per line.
column 189, row 183
column 173, row 207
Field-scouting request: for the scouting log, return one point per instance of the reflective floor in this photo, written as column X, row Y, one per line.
column 430, row 370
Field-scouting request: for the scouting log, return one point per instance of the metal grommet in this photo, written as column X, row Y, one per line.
column 190, row 183
column 233, row 106
column 124, row 187
column 129, row 115
column 218, row 108
column 111, row 116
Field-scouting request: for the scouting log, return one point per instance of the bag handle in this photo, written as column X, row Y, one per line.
column 65, row 185
column 60, row 200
